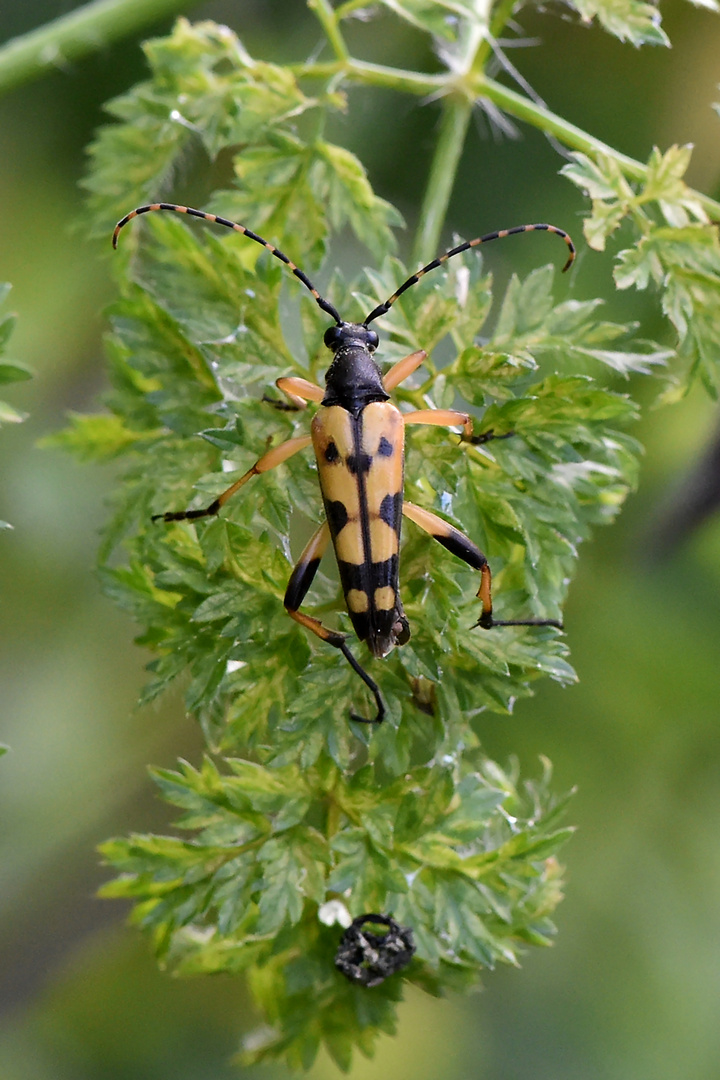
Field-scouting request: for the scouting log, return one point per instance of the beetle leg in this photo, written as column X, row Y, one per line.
column 300, row 581
column 438, row 417
column 268, row 461
column 441, row 418
column 298, row 392
column 459, row 544
column 403, row 369
column 456, row 542
column 452, row 418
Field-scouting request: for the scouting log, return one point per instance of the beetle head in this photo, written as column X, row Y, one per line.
column 346, row 335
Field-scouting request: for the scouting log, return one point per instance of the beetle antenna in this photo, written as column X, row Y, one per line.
column 382, row 308
column 325, row 305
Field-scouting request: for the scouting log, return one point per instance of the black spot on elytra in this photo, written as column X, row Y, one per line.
column 391, row 510
column 368, row 578
column 337, row 516
column 385, row 448
column 332, row 453
column 352, row 576
column 385, row 573
column 359, row 463
column 361, row 624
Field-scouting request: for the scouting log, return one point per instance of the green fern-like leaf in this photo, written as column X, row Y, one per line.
column 298, row 820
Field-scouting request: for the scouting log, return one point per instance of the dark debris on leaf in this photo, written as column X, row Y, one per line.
column 367, row 958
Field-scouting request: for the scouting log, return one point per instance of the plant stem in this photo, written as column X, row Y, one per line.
column 448, row 151
column 73, row 36
column 365, row 73
column 502, row 13
column 457, row 110
column 515, row 104
column 329, row 22
column 524, row 109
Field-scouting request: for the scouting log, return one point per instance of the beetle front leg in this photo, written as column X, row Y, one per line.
column 298, row 392
column 268, row 461
column 300, row 581
column 403, row 369
column 453, row 418
column 459, row 544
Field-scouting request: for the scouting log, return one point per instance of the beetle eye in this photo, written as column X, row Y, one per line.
column 372, row 340
column 332, row 337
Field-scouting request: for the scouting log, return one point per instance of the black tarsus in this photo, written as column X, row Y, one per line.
column 188, row 515
column 488, row 622
column 529, row 622
column 370, row 683
column 486, row 437
column 281, row 406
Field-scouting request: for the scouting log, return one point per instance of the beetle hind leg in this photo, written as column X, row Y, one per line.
column 459, row 544
column 300, row 581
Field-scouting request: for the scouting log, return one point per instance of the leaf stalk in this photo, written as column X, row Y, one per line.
column 75, row 35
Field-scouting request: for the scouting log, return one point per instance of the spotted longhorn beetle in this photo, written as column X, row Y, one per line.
column 358, row 437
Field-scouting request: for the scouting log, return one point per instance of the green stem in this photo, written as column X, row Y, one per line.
column 329, row 22
column 457, row 110
column 367, row 74
column 412, row 82
column 503, row 12
column 73, row 36
column 453, row 128
column 523, row 109
column 574, row 137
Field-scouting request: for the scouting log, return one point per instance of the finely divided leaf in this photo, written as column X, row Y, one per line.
column 629, row 20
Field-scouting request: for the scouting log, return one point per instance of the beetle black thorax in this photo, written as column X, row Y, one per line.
column 353, row 379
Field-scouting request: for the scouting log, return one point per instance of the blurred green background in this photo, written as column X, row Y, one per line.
column 631, row 991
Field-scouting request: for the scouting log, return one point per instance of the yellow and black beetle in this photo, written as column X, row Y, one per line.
column 359, row 437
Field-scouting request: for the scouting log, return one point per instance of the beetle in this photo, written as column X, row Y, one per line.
column 358, row 437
